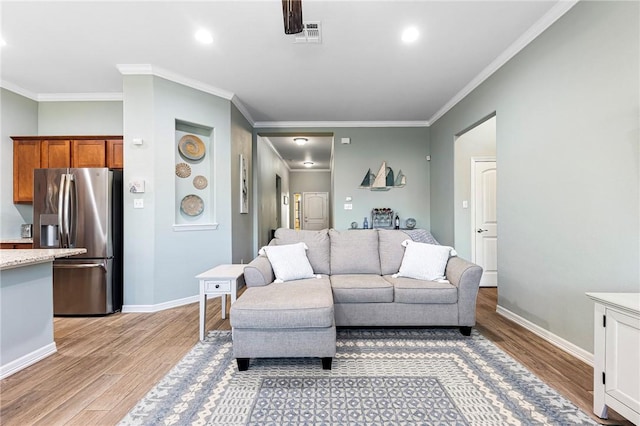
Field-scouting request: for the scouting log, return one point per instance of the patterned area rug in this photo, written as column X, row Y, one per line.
column 379, row 377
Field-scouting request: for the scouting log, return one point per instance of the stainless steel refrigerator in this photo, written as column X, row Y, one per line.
column 81, row 208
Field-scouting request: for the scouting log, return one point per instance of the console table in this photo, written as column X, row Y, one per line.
column 616, row 358
column 218, row 282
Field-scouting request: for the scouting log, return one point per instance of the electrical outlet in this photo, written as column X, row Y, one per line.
column 138, row 203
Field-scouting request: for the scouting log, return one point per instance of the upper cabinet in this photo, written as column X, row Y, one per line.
column 33, row 152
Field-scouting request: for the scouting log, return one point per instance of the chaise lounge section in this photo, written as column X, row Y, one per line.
column 349, row 278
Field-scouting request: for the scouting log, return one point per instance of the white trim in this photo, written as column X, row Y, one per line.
column 536, row 29
column 472, row 194
column 555, row 340
column 301, row 124
column 25, row 361
column 127, row 309
column 18, row 90
column 243, row 110
column 194, row 227
column 84, row 97
column 275, row 151
column 148, row 69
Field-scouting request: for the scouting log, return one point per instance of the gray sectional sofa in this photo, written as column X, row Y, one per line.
column 356, row 280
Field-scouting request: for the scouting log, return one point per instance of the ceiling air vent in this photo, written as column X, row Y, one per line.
column 310, row 33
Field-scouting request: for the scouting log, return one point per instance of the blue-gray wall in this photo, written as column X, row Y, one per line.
column 403, row 148
column 242, row 229
column 18, row 117
column 568, row 155
column 80, row 118
column 161, row 263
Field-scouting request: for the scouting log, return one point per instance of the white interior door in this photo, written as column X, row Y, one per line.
column 484, row 218
column 315, row 210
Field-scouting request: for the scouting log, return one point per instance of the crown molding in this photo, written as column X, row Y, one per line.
column 85, row 97
column 275, row 151
column 243, row 110
column 312, row 124
column 18, row 90
column 148, row 69
column 557, row 11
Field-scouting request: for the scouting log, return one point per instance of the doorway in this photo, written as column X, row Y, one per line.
column 475, row 179
column 315, row 210
column 278, row 202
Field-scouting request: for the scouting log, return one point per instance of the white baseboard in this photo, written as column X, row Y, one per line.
column 160, row 306
column 23, row 362
column 555, row 340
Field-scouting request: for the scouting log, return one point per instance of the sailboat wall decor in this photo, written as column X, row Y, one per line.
column 383, row 180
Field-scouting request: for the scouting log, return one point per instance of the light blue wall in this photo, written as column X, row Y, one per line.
column 403, row 148
column 568, row 155
column 268, row 165
column 242, row 230
column 18, row 117
column 80, row 118
column 160, row 262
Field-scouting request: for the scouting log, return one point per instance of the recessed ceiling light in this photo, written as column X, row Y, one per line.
column 204, row 36
column 308, row 163
column 410, row 35
column 300, row 141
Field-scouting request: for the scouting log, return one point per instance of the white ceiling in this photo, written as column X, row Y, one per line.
column 317, row 149
column 361, row 72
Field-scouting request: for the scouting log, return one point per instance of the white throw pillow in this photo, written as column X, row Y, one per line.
column 289, row 262
column 424, row 261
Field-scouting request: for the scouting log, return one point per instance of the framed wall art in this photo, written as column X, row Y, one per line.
column 244, row 186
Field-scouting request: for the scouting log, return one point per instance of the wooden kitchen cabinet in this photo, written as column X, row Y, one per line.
column 115, row 154
column 55, row 153
column 33, row 152
column 16, row 246
column 89, row 153
column 26, row 157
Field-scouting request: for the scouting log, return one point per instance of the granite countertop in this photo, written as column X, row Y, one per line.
column 16, row 241
column 17, row 258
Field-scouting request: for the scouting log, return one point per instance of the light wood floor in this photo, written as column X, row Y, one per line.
column 105, row 365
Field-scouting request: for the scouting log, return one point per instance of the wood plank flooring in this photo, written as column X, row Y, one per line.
column 105, row 365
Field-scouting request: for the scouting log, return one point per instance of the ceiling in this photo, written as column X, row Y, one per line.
column 317, row 149
column 360, row 74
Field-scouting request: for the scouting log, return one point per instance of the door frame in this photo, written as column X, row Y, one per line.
column 474, row 162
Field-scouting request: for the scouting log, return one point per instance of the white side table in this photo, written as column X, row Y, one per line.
column 218, row 282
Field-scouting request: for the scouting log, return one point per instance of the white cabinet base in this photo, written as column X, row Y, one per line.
column 616, row 365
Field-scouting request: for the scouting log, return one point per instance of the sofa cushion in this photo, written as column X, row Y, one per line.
column 289, row 262
column 359, row 288
column 424, row 261
column 317, row 241
column 391, row 250
column 354, row 252
column 296, row 304
column 409, row 290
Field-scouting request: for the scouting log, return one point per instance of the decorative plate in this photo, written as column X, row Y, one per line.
column 191, row 147
column 183, row 170
column 192, row 205
column 200, row 182
column 410, row 223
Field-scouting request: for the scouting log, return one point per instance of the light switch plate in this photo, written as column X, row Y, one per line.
column 348, row 206
column 138, row 203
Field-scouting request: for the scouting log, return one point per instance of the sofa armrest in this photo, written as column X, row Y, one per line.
column 466, row 276
column 258, row 272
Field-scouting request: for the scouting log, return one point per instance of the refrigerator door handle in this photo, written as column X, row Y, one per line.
column 72, row 211
column 80, row 265
column 63, row 178
column 65, row 216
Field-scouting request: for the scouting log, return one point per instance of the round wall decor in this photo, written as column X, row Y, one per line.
column 191, row 147
column 183, row 170
column 200, row 182
column 192, row 205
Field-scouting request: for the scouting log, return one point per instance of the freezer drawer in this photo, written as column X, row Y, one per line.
column 82, row 287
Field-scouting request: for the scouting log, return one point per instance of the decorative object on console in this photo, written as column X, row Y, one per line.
column 382, row 218
column 191, row 147
column 354, row 225
column 183, row 170
column 365, row 224
column 383, row 180
column 292, row 15
column 410, row 223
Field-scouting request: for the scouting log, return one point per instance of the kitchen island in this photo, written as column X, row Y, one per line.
column 26, row 306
